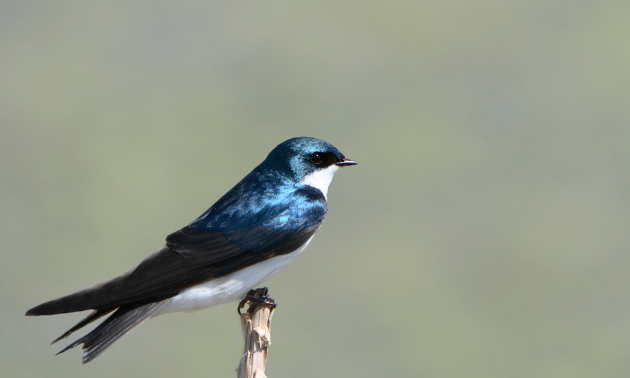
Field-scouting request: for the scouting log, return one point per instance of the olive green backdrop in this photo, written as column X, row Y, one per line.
column 485, row 232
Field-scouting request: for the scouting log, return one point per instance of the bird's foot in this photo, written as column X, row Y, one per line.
column 257, row 296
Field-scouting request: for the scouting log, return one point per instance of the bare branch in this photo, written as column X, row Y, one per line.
column 256, row 325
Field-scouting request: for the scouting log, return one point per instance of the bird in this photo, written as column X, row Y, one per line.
column 258, row 227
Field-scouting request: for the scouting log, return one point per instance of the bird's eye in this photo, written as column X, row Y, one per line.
column 316, row 158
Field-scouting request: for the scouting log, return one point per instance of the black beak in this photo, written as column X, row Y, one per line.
column 346, row 162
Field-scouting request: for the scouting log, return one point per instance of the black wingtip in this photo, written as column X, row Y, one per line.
column 43, row 309
column 33, row 312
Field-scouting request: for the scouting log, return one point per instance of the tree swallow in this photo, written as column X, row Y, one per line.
column 247, row 236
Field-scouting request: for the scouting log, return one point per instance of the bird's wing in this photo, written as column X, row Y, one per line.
column 192, row 256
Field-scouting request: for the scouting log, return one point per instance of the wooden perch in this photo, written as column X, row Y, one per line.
column 256, row 325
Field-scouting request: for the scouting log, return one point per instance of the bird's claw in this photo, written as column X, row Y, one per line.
column 257, row 296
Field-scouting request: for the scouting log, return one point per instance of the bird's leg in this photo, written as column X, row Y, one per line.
column 258, row 296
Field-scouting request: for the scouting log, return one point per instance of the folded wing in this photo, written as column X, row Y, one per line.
column 195, row 255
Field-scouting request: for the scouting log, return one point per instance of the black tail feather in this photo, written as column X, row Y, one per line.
column 96, row 314
column 124, row 320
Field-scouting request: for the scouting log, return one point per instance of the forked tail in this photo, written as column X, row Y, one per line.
column 120, row 323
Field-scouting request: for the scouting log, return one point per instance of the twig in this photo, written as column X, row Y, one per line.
column 256, row 324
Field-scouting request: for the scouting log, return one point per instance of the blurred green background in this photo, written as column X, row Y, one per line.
column 485, row 232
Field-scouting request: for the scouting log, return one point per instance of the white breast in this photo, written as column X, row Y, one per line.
column 321, row 179
column 229, row 288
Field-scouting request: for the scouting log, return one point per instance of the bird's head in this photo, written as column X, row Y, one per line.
column 308, row 161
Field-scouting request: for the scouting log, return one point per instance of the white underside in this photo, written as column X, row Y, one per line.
column 230, row 288
column 321, row 179
column 235, row 286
